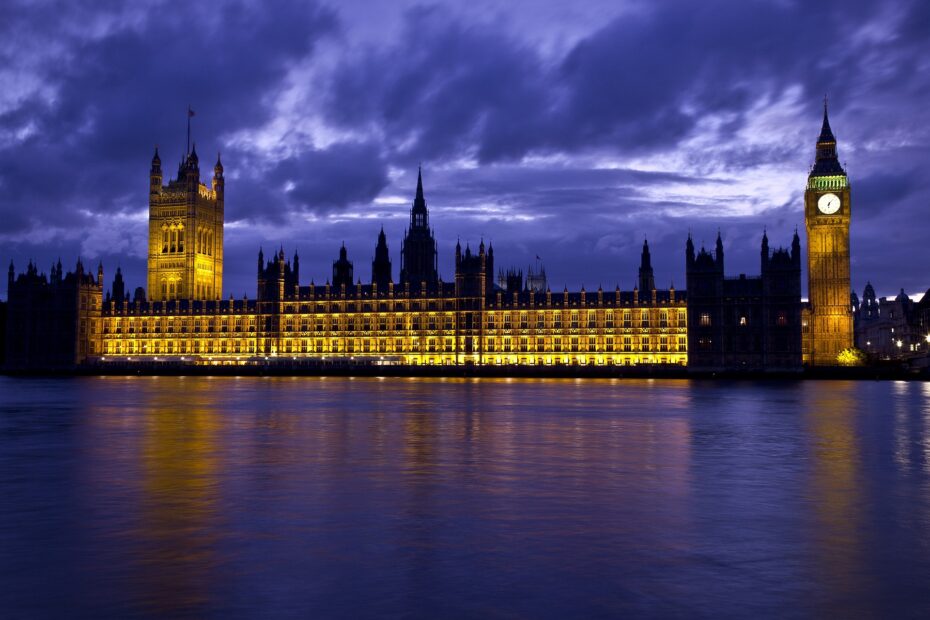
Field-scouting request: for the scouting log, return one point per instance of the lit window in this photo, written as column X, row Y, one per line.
column 705, row 319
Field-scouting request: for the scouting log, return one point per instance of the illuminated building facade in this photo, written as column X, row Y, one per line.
column 726, row 323
column 827, row 205
column 185, row 257
column 420, row 321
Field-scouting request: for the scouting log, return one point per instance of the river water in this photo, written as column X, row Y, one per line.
column 473, row 498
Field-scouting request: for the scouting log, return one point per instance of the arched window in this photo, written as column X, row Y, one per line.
column 181, row 239
column 209, row 243
column 164, row 289
column 164, row 239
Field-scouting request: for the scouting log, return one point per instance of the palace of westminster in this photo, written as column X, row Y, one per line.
column 718, row 322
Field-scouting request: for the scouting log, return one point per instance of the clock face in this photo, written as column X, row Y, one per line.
column 828, row 204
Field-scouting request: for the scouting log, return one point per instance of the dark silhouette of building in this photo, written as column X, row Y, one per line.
column 536, row 278
column 51, row 319
column 647, row 281
column 744, row 323
column 418, row 257
column 342, row 269
column 277, row 279
column 511, row 281
column 381, row 265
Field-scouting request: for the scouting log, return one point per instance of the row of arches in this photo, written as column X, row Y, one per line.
column 173, row 289
column 172, row 239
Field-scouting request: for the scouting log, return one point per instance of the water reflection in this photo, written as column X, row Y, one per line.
column 835, row 494
column 431, row 498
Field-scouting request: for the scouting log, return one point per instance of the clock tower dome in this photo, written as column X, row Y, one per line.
column 826, row 217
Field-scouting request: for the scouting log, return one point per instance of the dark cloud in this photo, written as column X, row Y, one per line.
column 650, row 120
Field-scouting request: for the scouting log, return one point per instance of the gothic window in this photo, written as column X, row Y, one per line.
column 704, row 321
column 180, row 240
column 743, row 321
column 164, row 240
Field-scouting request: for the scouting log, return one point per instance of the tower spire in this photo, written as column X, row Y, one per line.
column 190, row 115
column 827, row 161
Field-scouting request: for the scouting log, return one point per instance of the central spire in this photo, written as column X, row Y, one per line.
column 826, row 134
column 419, row 215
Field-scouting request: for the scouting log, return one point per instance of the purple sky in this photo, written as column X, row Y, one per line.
column 564, row 130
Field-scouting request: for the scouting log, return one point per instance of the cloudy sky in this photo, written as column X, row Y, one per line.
column 566, row 130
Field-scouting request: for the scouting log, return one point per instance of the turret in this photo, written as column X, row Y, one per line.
column 689, row 252
column 381, row 265
column 342, row 269
column 764, row 252
column 718, row 253
column 419, row 214
column 119, row 289
column 261, row 261
column 10, row 277
column 155, row 175
column 192, row 170
column 646, row 278
column 796, row 249
column 219, row 183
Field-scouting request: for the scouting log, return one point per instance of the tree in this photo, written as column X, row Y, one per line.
column 851, row 356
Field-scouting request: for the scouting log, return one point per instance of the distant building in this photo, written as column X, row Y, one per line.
column 892, row 329
column 744, row 323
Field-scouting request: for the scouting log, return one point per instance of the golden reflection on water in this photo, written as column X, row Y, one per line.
column 173, row 477
column 578, row 464
column 836, row 492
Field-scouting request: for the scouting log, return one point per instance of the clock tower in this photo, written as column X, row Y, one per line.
column 826, row 217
